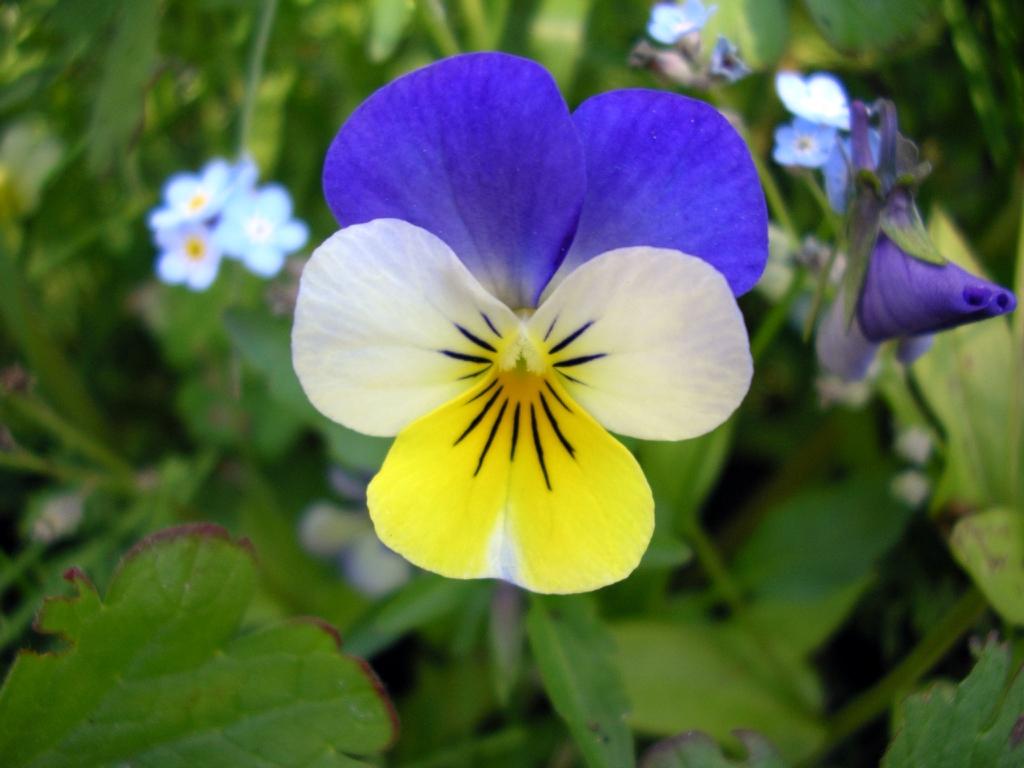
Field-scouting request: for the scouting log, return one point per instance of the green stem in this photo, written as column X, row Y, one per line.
column 776, row 318
column 21, row 460
column 13, row 570
column 434, row 18
column 476, row 24
column 1017, row 393
column 255, row 70
column 836, row 232
column 729, row 591
column 43, row 415
column 776, row 202
column 713, row 565
column 874, row 702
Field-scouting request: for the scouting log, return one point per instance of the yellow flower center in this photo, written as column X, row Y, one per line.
column 198, row 201
column 195, row 248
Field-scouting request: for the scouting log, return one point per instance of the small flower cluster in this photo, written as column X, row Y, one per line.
column 221, row 212
column 679, row 26
column 820, row 110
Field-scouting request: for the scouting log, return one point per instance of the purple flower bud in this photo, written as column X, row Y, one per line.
column 904, row 296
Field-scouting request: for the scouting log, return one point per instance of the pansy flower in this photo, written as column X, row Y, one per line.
column 193, row 197
column 188, row 256
column 258, row 228
column 904, row 291
column 510, row 282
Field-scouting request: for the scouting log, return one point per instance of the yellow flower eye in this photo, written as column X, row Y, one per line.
column 195, row 248
column 197, row 202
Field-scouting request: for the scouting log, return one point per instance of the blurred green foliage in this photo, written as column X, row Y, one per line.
column 787, row 589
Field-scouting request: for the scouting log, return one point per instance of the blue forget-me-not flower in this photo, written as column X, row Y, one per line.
column 819, row 98
column 218, row 212
column 511, row 282
column 670, row 22
column 257, row 227
column 804, row 143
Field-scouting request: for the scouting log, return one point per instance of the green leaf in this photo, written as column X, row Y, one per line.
column 130, row 57
column 714, row 678
column 575, row 656
column 264, row 342
column 696, row 750
column 862, row 25
column 908, row 232
column 976, row 724
column 158, row 674
column 812, row 556
column 557, row 35
column 990, row 547
column 422, row 600
column 967, row 379
column 682, row 474
column 29, row 154
column 759, row 28
column 389, row 22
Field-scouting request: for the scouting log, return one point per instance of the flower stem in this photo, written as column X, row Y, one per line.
column 776, row 318
column 43, row 415
column 873, row 702
column 776, row 202
column 255, row 70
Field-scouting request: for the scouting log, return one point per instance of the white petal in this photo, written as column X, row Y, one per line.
column 379, row 304
column 665, row 355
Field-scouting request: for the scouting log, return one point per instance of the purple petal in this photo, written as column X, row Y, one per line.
column 904, row 296
column 478, row 149
column 841, row 347
column 667, row 171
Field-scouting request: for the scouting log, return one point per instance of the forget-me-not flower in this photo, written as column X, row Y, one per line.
column 510, row 281
column 670, row 22
column 804, row 143
column 726, row 62
column 902, row 296
column 258, row 228
column 195, row 197
column 819, row 98
column 188, row 256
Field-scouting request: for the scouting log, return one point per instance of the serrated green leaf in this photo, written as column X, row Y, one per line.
column 158, row 674
column 117, row 110
column 976, row 724
column 759, row 28
column 990, row 547
column 575, row 656
column 696, row 750
column 862, row 25
column 711, row 677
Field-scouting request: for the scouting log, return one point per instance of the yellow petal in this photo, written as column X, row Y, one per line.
column 514, row 480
